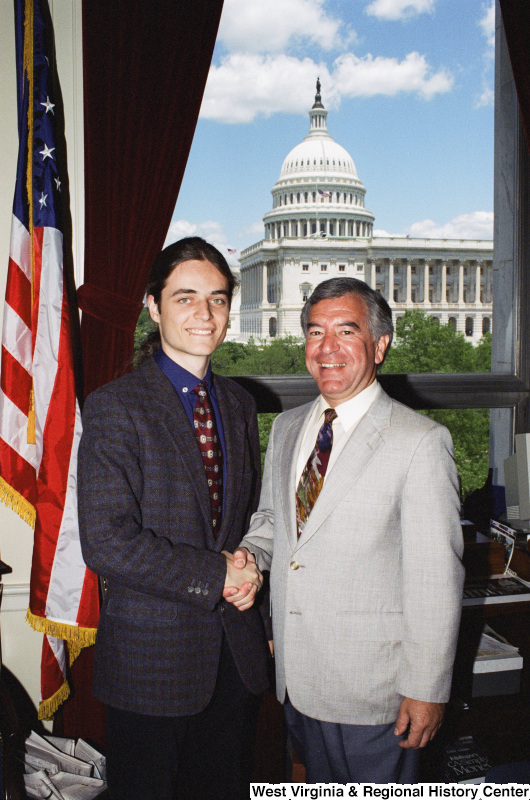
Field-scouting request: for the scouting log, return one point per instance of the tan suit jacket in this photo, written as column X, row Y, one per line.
column 366, row 604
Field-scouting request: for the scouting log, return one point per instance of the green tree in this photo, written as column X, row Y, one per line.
column 423, row 345
column 282, row 356
column 229, row 355
column 264, row 425
column 483, row 354
column 144, row 326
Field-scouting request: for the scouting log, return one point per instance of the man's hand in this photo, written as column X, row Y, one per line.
column 422, row 720
column 243, row 579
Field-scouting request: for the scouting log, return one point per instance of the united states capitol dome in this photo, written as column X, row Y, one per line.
column 318, row 191
column 318, row 153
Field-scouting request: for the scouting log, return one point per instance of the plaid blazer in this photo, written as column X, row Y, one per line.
column 145, row 525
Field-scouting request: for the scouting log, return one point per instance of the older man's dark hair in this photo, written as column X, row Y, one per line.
column 379, row 313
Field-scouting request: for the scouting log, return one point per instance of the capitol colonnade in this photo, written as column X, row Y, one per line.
column 453, row 287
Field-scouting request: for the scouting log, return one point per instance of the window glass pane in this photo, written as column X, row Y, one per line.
column 417, row 205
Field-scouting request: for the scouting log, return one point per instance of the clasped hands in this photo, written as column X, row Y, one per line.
column 243, row 578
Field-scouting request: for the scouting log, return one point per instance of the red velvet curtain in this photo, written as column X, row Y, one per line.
column 145, row 68
column 516, row 18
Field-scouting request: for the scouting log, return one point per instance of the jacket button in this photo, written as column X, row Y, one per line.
column 294, row 565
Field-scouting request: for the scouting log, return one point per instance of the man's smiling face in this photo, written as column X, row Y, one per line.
column 192, row 315
column 340, row 352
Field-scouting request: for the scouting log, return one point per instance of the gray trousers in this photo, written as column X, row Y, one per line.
column 335, row 753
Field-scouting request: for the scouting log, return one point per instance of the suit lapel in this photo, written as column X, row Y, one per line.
column 288, row 457
column 169, row 410
column 234, row 427
column 353, row 460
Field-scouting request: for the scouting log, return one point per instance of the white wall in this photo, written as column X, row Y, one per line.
column 21, row 646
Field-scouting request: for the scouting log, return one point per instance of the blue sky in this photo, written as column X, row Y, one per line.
column 408, row 85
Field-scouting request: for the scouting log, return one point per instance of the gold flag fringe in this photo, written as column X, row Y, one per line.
column 76, row 637
column 12, row 499
column 48, row 707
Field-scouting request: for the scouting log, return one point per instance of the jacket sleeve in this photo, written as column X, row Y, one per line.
column 433, row 574
column 260, row 537
column 114, row 541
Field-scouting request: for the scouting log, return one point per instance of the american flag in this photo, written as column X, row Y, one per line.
column 324, row 193
column 40, row 423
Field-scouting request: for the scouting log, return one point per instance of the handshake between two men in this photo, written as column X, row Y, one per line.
column 243, row 578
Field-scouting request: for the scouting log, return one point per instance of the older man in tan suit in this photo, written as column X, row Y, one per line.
column 359, row 525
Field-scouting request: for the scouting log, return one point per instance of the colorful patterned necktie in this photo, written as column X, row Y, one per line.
column 210, row 447
column 312, row 477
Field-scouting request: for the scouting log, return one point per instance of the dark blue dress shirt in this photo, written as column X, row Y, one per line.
column 184, row 383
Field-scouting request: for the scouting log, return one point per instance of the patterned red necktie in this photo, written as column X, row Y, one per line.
column 212, row 454
column 312, row 477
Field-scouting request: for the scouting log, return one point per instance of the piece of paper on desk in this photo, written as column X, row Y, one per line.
column 64, row 745
column 41, row 748
column 492, row 643
column 62, row 786
column 88, row 753
column 38, row 784
column 63, row 769
column 76, row 787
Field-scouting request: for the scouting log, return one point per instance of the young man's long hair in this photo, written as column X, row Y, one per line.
column 193, row 248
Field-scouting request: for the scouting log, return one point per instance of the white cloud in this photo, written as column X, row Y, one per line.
column 255, row 228
column 368, row 76
column 487, row 23
column 270, row 27
column 486, row 98
column 380, row 232
column 476, row 225
column 399, row 9
column 247, row 85
column 210, row 230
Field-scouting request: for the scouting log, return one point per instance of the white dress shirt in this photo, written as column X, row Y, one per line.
column 348, row 415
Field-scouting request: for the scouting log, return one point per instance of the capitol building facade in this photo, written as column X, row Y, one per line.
column 319, row 228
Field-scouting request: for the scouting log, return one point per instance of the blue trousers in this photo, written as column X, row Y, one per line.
column 336, row 753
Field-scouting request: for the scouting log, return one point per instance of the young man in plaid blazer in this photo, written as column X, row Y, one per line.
column 179, row 668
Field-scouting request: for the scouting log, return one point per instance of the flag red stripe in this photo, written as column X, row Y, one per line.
column 15, row 381
column 18, row 292
column 52, row 479
column 52, row 677
column 89, row 604
column 21, row 473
